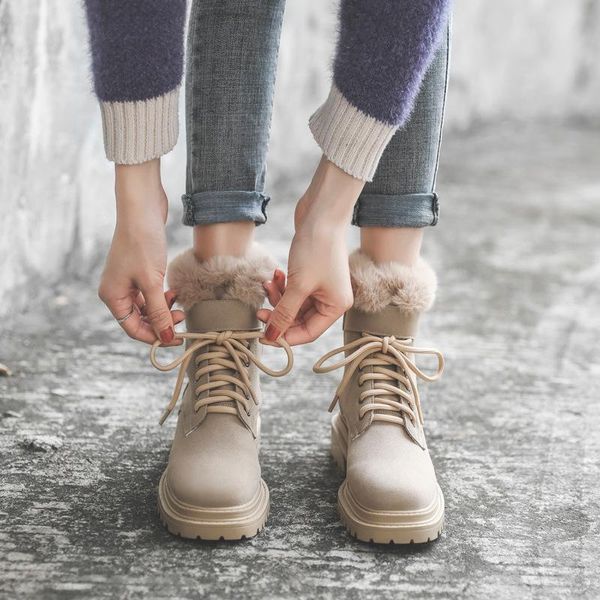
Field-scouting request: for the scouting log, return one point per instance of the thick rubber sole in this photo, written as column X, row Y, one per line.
column 394, row 527
column 231, row 523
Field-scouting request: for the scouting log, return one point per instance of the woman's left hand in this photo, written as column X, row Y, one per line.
column 318, row 290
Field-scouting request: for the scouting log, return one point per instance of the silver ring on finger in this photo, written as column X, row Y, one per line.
column 122, row 320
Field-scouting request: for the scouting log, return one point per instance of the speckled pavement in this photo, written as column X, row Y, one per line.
column 513, row 425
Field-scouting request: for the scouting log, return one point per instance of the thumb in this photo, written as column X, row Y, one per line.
column 284, row 313
column 159, row 315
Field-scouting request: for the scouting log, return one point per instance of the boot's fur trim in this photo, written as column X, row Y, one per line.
column 379, row 285
column 221, row 277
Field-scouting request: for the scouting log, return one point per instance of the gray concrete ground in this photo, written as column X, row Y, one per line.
column 513, row 425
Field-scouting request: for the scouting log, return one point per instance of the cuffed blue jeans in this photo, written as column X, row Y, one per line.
column 230, row 82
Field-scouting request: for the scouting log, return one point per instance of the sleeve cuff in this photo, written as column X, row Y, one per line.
column 348, row 137
column 135, row 132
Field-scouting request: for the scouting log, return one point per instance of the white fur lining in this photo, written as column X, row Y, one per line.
column 221, row 277
column 379, row 285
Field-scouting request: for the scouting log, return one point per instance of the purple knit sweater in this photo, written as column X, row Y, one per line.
column 383, row 50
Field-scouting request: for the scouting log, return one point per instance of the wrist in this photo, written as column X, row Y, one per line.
column 332, row 194
column 138, row 189
column 332, row 183
column 135, row 178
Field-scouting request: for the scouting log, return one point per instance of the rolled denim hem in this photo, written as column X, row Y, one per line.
column 390, row 210
column 205, row 208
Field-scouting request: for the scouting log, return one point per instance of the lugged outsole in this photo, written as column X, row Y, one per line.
column 394, row 542
column 221, row 538
column 214, row 527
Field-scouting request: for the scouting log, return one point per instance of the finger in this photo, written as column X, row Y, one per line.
column 138, row 329
column 284, row 314
column 279, row 280
column 306, row 306
column 170, row 298
column 273, row 292
column 138, row 299
column 178, row 316
column 278, row 286
column 263, row 314
column 158, row 314
column 275, row 287
column 279, row 283
column 133, row 325
column 312, row 326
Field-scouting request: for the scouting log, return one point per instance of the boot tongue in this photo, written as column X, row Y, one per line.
column 219, row 315
column 391, row 321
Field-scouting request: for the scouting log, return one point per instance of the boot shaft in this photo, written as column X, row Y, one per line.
column 389, row 299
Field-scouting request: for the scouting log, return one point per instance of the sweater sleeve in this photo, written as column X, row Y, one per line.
column 383, row 51
column 137, row 62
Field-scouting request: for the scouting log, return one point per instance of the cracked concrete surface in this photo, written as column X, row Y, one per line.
column 513, row 425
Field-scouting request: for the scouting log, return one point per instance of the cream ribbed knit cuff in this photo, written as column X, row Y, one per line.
column 350, row 138
column 135, row 132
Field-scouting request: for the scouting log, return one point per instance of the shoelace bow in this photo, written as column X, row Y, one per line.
column 230, row 352
column 380, row 353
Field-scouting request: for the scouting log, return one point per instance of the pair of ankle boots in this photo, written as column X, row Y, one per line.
column 212, row 487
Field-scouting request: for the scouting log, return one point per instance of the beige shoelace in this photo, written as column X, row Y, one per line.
column 381, row 353
column 229, row 351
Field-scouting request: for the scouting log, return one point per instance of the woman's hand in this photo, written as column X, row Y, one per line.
column 318, row 289
column 132, row 282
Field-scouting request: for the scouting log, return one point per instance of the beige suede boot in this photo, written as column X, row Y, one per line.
column 212, row 487
column 390, row 494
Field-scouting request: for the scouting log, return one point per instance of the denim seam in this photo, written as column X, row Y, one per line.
column 435, row 209
column 439, row 148
column 263, row 207
column 188, row 94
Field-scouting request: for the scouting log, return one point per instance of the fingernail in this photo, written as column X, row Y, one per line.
column 279, row 274
column 167, row 335
column 272, row 333
column 171, row 302
column 266, row 284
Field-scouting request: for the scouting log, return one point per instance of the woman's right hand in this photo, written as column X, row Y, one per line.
column 132, row 280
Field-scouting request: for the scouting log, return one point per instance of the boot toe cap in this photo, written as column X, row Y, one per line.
column 376, row 490
column 402, row 478
column 213, row 484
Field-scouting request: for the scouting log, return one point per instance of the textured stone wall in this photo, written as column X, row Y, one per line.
column 513, row 59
